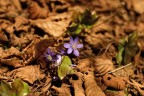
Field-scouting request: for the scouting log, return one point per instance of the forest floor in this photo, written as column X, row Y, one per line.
column 72, row 48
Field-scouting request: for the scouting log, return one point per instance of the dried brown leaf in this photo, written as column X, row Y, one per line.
column 84, row 64
column 17, row 5
column 3, row 69
column 3, row 36
column 63, row 90
column 91, row 87
column 11, row 57
column 114, row 93
column 47, row 85
column 35, row 11
column 28, row 73
column 77, row 84
column 15, row 62
column 138, row 6
column 35, row 49
column 114, row 82
column 55, row 26
column 102, row 65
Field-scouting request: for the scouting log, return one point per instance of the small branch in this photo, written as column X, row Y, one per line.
column 120, row 68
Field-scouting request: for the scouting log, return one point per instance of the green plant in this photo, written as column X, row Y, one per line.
column 127, row 49
column 16, row 88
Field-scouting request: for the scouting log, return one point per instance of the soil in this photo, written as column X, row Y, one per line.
column 110, row 63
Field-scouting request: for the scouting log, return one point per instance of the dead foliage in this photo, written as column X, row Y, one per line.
column 91, row 87
column 29, row 27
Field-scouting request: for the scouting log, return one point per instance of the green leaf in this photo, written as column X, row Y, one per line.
column 132, row 39
column 88, row 19
column 119, row 56
column 65, row 67
column 75, row 29
column 17, row 88
column 81, row 20
column 6, row 89
column 127, row 49
column 21, row 87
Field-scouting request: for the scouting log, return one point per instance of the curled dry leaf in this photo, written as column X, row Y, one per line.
column 27, row 73
column 55, row 26
column 11, row 57
column 17, row 5
column 15, row 62
column 84, row 64
column 114, row 93
column 35, row 11
column 3, row 36
column 47, row 85
column 138, row 6
column 102, row 65
column 91, row 87
column 35, row 49
column 62, row 91
column 9, row 53
column 114, row 82
column 77, row 84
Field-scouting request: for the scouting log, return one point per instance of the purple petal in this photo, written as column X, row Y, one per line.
column 69, row 51
column 67, row 45
column 76, row 40
column 71, row 40
column 79, row 45
column 76, row 52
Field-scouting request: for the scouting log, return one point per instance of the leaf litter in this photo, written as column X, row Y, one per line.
column 111, row 62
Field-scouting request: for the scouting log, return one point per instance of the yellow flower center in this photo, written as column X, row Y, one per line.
column 74, row 46
column 49, row 57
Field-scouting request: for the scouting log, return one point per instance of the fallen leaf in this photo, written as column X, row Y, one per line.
column 138, row 6
column 63, row 90
column 114, row 82
column 91, row 87
column 28, row 73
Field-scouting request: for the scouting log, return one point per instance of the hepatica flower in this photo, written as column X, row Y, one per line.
column 49, row 55
column 72, row 46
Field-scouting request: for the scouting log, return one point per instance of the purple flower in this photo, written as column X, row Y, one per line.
column 49, row 55
column 73, row 46
column 62, row 51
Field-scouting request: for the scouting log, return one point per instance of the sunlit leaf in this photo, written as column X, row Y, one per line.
column 21, row 87
column 75, row 29
column 65, row 67
column 119, row 56
column 6, row 89
column 17, row 88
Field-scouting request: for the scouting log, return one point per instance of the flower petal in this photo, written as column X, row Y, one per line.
column 75, row 40
column 69, row 51
column 67, row 45
column 71, row 40
column 58, row 61
column 79, row 45
column 76, row 52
